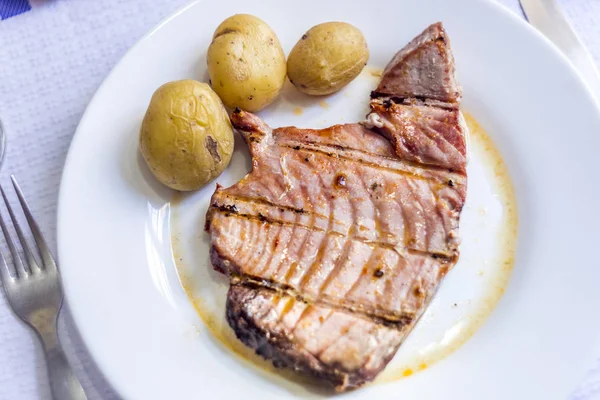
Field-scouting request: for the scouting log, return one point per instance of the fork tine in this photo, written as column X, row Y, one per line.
column 20, row 270
column 35, row 229
column 27, row 252
column 5, row 276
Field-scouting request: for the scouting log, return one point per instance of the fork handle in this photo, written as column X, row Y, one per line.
column 63, row 382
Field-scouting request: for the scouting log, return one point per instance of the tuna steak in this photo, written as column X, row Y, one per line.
column 338, row 239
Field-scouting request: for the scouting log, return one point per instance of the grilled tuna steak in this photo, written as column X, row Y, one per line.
column 338, row 239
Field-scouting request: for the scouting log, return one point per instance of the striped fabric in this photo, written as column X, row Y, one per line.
column 10, row 8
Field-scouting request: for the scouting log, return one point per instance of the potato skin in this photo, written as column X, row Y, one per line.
column 327, row 58
column 246, row 63
column 186, row 137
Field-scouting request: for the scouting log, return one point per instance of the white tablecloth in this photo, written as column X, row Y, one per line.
column 52, row 59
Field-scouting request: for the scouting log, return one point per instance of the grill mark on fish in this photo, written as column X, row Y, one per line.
column 265, row 202
column 271, row 253
column 434, row 135
column 345, row 330
column 318, row 259
column 396, row 321
column 352, row 215
column 239, row 245
column 300, row 318
column 263, row 218
column 281, row 315
column 279, row 246
column 407, row 249
column 373, row 165
column 287, row 307
column 316, row 263
column 354, row 307
column 298, row 212
column 263, row 242
column 322, row 327
column 373, row 207
column 405, row 218
column 326, row 189
column 401, row 163
column 254, row 239
column 307, row 144
column 313, row 217
column 412, row 99
column 291, row 270
column 304, row 247
column 286, row 246
column 425, row 215
column 326, row 318
column 361, row 275
column 339, row 262
column 333, row 202
column 437, row 207
column 389, row 283
column 429, row 193
column 420, row 213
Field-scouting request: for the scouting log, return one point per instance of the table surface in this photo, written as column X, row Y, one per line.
column 52, row 60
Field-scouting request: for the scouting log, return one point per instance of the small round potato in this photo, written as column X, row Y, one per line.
column 246, row 63
column 186, row 136
column 327, row 58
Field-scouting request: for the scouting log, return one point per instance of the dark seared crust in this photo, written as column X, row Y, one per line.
column 276, row 346
column 388, row 99
column 218, row 263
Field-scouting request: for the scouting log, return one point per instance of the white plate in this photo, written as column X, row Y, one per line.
column 115, row 222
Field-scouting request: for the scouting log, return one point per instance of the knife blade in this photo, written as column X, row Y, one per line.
column 547, row 18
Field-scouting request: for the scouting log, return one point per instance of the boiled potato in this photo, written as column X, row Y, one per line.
column 246, row 63
column 327, row 58
column 186, row 136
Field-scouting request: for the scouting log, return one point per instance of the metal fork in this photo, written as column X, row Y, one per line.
column 34, row 293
